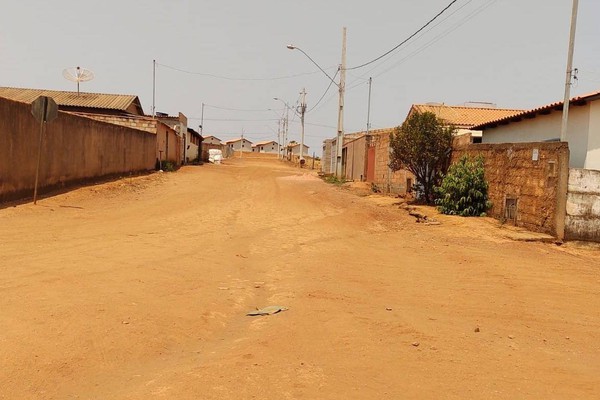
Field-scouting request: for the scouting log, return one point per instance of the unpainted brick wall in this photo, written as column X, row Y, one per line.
column 537, row 185
column 387, row 180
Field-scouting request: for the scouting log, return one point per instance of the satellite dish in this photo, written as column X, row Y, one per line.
column 78, row 74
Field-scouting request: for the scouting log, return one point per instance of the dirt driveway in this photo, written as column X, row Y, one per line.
column 139, row 289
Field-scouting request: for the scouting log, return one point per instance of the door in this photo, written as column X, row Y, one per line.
column 371, row 164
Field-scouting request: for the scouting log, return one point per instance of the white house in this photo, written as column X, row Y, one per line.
column 211, row 140
column 294, row 149
column 269, row 146
column 242, row 144
column 193, row 142
column 544, row 124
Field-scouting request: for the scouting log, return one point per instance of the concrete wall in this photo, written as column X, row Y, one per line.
column 547, row 127
column 270, row 148
column 75, row 148
column 168, row 144
column 583, row 205
column 354, row 159
column 212, row 140
column 245, row 146
column 592, row 160
column 534, row 175
column 326, row 166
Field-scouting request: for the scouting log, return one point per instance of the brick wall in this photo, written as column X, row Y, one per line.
column 387, row 180
column 527, row 182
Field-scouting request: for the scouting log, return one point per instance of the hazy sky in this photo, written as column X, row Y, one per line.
column 508, row 52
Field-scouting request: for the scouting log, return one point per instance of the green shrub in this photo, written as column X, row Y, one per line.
column 464, row 189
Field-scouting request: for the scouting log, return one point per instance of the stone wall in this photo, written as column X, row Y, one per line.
column 583, row 205
column 74, row 149
column 527, row 182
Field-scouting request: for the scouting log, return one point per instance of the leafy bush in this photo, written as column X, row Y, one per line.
column 464, row 189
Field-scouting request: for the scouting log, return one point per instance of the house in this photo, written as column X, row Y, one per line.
column 179, row 124
column 168, row 140
column 368, row 158
column 294, row 149
column 240, row 144
column 269, row 146
column 194, row 145
column 543, row 124
column 463, row 118
column 97, row 103
column 213, row 140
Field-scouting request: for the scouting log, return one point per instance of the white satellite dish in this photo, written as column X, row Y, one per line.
column 78, row 74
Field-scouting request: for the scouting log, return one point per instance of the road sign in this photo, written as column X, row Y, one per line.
column 44, row 109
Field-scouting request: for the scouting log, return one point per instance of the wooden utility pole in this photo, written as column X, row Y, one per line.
column 565, row 117
column 340, row 129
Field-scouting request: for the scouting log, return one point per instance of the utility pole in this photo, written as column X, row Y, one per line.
column 566, row 103
column 153, row 88
column 302, row 112
column 279, row 125
column 241, row 143
column 340, row 129
column 202, row 120
column 369, row 107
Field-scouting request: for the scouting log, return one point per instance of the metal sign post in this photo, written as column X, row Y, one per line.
column 44, row 110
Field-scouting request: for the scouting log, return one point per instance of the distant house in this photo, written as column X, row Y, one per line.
column 240, row 144
column 168, row 141
column 269, row 146
column 543, row 124
column 96, row 103
column 294, row 150
column 212, row 140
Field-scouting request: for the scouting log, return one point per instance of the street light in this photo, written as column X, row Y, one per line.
column 342, row 88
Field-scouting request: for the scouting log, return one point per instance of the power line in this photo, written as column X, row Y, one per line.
column 229, row 78
column 405, row 40
column 440, row 36
column 236, row 109
column 326, row 90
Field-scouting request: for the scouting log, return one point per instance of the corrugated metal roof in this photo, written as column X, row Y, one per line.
column 523, row 114
column 119, row 102
column 464, row 117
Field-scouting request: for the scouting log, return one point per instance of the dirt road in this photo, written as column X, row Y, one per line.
column 138, row 289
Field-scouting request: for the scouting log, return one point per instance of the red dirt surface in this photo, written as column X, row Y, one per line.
column 139, row 289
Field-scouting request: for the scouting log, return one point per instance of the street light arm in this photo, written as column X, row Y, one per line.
column 291, row 47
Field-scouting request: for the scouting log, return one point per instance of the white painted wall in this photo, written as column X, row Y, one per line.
column 592, row 161
column 270, row 147
column 547, row 127
column 212, row 140
column 246, row 146
column 296, row 150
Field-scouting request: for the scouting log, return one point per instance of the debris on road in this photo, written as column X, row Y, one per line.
column 267, row 311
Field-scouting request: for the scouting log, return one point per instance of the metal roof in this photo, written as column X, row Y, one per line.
column 558, row 106
column 119, row 102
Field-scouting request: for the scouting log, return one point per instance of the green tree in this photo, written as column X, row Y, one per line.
column 464, row 189
column 422, row 145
